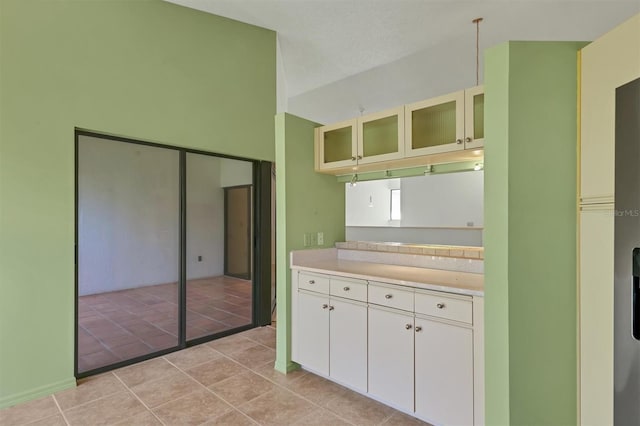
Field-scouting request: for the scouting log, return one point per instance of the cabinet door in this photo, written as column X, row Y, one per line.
column 348, row 343
column 391, row 357
column 444, row 373
column 435, row 125
column 336, row 145
column 313, row 332
column 474, row 117
column 381, row 136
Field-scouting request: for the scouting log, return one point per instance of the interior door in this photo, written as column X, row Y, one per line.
column 237, row 233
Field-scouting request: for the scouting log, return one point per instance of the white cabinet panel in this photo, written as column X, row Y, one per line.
column 313, row 332
column 474, row 118
column 391, row 357
column 349, row 289
column 442, row 306
column 444, row 372
column 596, row 313
column 391, row 296
column 348, row 343
column 311, row 282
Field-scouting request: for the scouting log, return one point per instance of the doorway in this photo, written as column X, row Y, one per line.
column 157, row 267
column 237, row 231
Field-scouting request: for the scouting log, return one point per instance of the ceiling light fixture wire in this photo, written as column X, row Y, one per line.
column 477, row 22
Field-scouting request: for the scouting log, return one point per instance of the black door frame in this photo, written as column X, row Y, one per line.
column 261, row 249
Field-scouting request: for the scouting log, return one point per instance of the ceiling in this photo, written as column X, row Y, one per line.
column 323, row 41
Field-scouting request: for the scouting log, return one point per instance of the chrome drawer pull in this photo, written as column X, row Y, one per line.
column 325, row 306
column 440, row 305
column 331, row 308
column 346, row 289
column 312, row 282
column 408, row 326
column 418, row 329
column 388, row 296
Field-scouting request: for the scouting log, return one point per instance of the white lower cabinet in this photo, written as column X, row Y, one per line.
column 313, row 332
column 391, row 356
column 348, row 343
column 408, row 347
column 332, row 338
column 443, row 372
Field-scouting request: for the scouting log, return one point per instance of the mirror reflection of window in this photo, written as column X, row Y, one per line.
column 395, row 205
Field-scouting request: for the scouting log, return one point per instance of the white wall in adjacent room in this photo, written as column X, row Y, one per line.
column 235, row 172
column 128, row 219
column 127, row 216
column 205, row 217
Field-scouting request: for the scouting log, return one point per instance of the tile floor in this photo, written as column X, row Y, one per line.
column 124, row 324
column 230, row 381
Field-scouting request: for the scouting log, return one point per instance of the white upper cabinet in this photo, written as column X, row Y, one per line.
column 445, row 129
column 447, row 123
column 474, row 118
column 368, row 139
column 381, row 136
column 336, row 145
column 435, row 125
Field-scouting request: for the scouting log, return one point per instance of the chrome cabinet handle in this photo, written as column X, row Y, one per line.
column 312, row 282
column 440, row 305
column 458, row 141
column 346, row 288
column 418, row 329
column 408, row 326
column 325, row 306
column 467, row 139
column 353, row 158
column 388, row 296
column 331, row 308
column 359, row 157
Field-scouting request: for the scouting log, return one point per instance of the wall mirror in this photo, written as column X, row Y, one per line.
column 431, row 209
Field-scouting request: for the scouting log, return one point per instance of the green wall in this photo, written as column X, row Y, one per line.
column 142, row 69
column 530, row 233
column 306, row 202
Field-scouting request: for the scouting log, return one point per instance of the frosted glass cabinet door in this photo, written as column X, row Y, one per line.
column 391, row 357
column 444, row 373
column 435, row 125
column 381, row 136
column 313, row 332
column 336, row 145
column 474, row 117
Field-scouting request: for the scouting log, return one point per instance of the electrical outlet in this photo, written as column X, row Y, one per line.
column 320, row 238
column 313, row 241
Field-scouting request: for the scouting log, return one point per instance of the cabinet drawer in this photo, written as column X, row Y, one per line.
column 349, row 289
column 391, row 296
column 312, row 282
column 444, row 307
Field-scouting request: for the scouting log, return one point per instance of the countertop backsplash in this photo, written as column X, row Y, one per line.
column 451, row 258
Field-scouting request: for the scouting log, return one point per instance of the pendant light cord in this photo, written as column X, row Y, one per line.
column 477, row 22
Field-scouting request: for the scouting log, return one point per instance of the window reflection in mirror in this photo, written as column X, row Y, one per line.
column 395, row 213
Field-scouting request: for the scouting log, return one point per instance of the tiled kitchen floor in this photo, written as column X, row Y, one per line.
column 124, row 324
column 230, row 381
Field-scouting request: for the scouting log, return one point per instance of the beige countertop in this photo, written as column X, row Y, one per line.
column 430, row 279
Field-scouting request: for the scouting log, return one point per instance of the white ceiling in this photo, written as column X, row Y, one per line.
column 323, row 41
